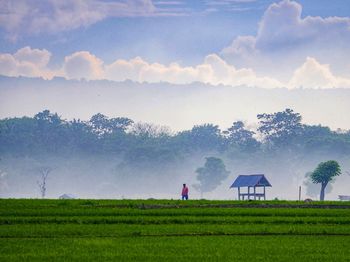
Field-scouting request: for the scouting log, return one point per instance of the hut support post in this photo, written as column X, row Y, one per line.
column 248, row 192
column 264, row 194
column 239, row 193
column 254, row 193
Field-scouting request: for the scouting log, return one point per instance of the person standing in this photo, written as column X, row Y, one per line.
column 184, row 192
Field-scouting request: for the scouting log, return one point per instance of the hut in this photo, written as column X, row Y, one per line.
column 251, row 181
column 66, row 196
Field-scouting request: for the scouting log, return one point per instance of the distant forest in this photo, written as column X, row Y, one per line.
column 113, row 152
column 138, row 143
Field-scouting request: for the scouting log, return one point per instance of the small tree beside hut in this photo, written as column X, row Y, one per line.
column 324, row 173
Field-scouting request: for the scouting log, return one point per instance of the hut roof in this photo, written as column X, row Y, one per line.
column 257, row 180
column 67, row 196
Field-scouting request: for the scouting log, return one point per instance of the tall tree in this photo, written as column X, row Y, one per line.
column 241, row 137
column 202, row 137
column 50, row 128
column 119, row 124
column 102, row 125
column 18, row 135
column 211, row 174
column 281, row 128
column 99, row 124
column 324, row 173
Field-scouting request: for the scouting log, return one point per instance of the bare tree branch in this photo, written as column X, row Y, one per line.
column 44, row 173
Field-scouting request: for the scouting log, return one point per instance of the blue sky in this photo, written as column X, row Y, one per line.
column 186, row 38
column 183, row 32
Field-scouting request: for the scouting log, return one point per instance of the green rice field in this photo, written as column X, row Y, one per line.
column 172, row 230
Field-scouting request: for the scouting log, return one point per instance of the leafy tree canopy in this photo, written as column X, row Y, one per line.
column 280, row 128
column 211, row 174
column 324, row 173
column 238, row 135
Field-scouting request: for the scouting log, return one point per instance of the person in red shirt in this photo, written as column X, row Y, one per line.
column 184, row 193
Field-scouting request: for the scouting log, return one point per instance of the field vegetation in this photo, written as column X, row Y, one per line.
column 170, row 230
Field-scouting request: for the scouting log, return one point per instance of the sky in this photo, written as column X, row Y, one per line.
column 261, row 43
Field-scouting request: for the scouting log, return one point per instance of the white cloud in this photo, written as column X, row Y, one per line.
column 122, row 69
column 35, row 56
column 282, row 26
column 140, row 70
column 26, row 62
column 36, row 16
column 285, row 38
column 83, row 65
column 214, row 70
column 312, row 74
column 223, row 73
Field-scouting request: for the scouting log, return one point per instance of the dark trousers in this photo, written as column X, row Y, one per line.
column 184, row 197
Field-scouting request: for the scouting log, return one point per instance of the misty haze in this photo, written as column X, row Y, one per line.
column 175, row 130
column 131, row 152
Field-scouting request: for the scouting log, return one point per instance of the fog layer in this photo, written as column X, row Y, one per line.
column 151, row 161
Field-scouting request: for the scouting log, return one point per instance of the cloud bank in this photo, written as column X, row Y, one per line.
column 214, row 70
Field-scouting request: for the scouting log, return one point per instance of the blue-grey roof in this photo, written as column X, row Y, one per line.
column 251, row 180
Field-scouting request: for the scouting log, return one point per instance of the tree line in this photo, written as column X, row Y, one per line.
column 146, row 146
column 48, row 133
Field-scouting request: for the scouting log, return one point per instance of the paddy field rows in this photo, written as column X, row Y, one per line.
column 171, row 230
